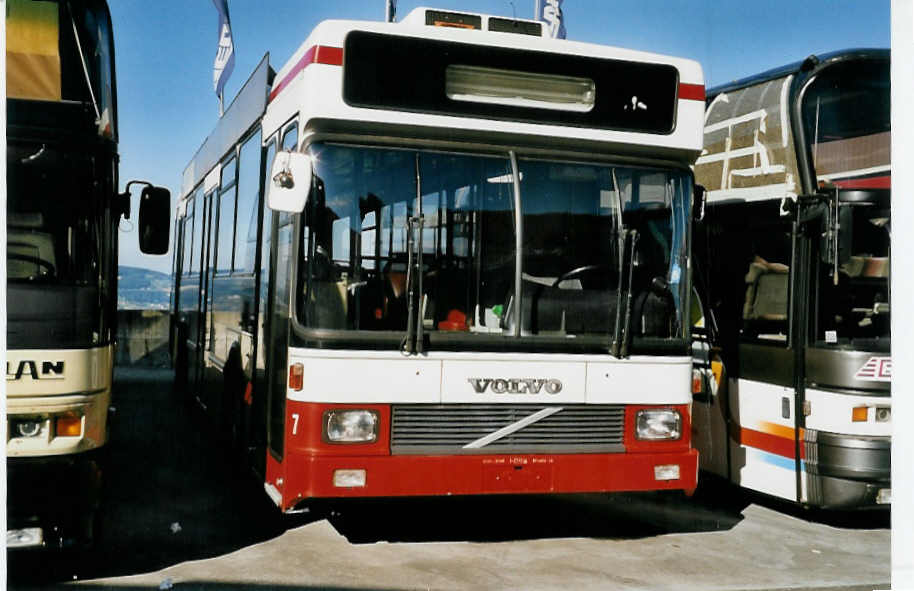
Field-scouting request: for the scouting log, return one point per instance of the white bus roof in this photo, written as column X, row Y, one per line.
column 310, row 85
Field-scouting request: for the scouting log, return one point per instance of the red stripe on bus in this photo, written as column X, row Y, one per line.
column 781, row 446
column 874, row 182
column 692, row 92
column 319, row 54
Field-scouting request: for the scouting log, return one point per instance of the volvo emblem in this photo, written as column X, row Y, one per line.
column 515, row 385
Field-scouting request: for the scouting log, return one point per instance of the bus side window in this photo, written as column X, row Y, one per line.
column 225, row 224
column 248, row 202
column 188, row 240
column 290, row 137
column 765, row 271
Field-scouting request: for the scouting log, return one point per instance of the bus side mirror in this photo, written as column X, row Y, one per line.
column 289, row 182
column 155, row 219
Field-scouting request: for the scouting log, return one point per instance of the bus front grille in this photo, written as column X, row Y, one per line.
column 448, row 428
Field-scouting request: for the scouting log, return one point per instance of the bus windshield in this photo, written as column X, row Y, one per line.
column 577, row 222
column 853, row 305
column 54, row 232
column 62, row 52
column 846, row 117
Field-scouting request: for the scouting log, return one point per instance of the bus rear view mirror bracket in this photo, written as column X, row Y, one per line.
column 154, row 217
column 289, row 183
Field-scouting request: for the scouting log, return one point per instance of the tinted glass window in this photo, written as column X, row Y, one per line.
column 248, row 202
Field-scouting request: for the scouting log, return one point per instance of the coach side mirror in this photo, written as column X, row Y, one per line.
column 289, row 182
column 155, row 219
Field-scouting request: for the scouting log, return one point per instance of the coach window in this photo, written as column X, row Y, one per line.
column 248, row 194
column 198, row 230
column 186, row 244
column 226, row 222
column 764, row 248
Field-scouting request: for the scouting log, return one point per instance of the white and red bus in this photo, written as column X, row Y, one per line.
column 446, row 256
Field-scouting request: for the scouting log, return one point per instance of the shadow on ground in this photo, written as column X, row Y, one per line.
column 173, row 497
column 170, row 494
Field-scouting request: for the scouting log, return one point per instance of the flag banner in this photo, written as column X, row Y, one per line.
column 225, row 54
column 550, row 12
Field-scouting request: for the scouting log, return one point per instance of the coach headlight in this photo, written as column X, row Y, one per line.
column 27, row 427
column 350, row 426
column 658, row 424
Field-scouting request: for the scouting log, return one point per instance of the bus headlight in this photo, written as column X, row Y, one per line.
column 31, row 427
column 658, row 424
column 350, row 426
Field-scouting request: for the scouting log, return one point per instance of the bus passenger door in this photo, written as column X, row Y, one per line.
column 201, row 335
column 257, row 441
column 277, row 316
column 763, row 394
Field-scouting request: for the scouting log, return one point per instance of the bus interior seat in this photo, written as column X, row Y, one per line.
column 766, row 291
column 548, row 309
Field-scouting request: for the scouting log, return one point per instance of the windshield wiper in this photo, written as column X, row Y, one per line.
column 626, row 329
column 622, row 234
column 413, row 342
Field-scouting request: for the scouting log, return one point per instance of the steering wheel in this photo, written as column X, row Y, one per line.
column 47, row 265
column 575, row 273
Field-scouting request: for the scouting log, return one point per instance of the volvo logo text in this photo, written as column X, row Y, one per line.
column 37, row 370
column 515, row 385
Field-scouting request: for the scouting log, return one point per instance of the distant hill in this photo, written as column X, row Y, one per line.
column 142, row 289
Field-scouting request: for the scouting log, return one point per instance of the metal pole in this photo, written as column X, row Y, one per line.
column 537, row 7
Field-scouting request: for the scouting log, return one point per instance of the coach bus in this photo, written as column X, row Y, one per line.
column 446, row 256
column 794, row 258
column 63, row 211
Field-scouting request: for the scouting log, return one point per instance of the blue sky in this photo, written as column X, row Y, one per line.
column 165, row 50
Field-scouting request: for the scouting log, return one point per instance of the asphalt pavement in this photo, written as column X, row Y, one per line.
column 179, row 516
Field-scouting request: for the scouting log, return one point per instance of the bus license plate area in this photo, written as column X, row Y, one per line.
column 517, row 475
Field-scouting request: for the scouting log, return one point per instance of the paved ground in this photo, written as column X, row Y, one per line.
column 179, row 517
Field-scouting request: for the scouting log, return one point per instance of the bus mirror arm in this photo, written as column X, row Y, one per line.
column 123, row 204
column 834, row 246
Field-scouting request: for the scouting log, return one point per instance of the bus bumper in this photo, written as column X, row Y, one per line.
column 848, row 471
column 52, row 501
column 309, row 476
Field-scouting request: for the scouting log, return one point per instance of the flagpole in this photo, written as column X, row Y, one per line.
column 536, row 10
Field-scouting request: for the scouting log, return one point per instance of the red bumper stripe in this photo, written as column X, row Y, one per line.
column 319, row 54
column 692, row 92
column 308, row 476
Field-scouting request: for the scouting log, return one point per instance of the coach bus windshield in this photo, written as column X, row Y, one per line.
column 846, row 116
column 356, row 253
column 58, row 231
column 62, row 52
